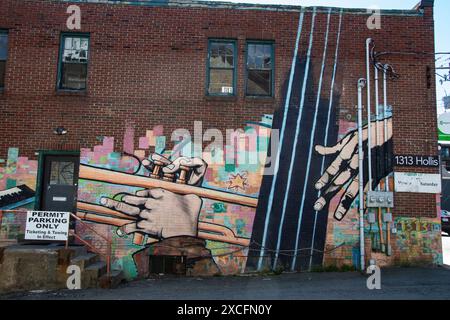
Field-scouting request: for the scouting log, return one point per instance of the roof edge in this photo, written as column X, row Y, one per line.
column 248, row 6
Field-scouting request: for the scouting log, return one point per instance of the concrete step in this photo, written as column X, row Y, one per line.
column 78, row 251
column 85, row 260
column 65, row 256
column 7, row 242
column 113, row 281
column 91, row 274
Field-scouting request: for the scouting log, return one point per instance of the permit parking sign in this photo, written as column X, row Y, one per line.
column 47, row 225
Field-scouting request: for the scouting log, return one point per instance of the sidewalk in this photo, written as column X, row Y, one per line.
column 396, row 283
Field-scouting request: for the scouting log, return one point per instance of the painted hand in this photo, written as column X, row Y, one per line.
column 160, row 213
column 343, row 171
column 197, row 167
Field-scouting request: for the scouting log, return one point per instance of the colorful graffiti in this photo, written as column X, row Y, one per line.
column 148, row 201
column 222, row 213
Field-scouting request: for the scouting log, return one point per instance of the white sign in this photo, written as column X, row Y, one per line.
column 60, row 199
column 444, row 123
column 417, row 182
column 227, row 90
column 47, row 225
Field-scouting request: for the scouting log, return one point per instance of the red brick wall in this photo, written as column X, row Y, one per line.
column 148, row 66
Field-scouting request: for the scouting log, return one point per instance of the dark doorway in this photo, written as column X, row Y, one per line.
column 59, row 182
column 175, row 265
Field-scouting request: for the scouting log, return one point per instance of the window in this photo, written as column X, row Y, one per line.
column 221, row 67
column 259, row 80
column 3, row 56
column 61, row 173
column 72, row 73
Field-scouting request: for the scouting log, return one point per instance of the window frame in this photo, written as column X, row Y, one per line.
column 5, row 31
column 272, row 79
column 60, row 59
column 208, row 67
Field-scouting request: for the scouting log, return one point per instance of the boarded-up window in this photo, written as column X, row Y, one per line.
column 221, row 67
column 74, row 62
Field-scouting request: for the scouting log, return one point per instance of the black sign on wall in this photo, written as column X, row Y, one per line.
column 416, row 161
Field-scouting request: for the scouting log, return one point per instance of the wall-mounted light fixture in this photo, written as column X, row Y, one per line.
column 60, row 131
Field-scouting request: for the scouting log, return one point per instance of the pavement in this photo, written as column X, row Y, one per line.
column 396, row 283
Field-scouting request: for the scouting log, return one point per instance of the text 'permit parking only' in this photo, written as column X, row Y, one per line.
column 47, row 225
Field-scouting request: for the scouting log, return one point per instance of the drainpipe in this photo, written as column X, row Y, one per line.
column 380, row 219
column 361, row 85
column 369, row 129
column 386, row 183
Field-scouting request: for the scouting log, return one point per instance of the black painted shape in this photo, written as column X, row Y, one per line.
column 10, row 197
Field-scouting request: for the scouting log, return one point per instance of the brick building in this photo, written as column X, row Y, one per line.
column 86, row 110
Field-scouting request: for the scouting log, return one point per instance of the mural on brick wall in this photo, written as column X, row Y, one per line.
column 221, row 215
column 157, row 202
column 17, row 184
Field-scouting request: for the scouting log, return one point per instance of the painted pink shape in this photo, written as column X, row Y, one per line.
column 208, row 175
column 33, row 165
column 128, row 140
column 84, row 152
column 158, row 130
column 22, row 160
column 96, row 156
column 98, row 150
column 143, row 143
column 108, row 143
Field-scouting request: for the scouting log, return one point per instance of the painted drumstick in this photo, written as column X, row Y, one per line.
column 114, row 177
column 138, row 238
column 207, row 231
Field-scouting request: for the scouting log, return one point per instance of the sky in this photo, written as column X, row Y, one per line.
column 441, row 15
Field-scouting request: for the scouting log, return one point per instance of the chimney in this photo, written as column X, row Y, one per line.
column 424, row 4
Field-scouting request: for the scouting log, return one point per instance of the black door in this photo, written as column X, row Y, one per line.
column 60, row 183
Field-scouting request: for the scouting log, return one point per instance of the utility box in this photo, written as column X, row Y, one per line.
column 380, row 199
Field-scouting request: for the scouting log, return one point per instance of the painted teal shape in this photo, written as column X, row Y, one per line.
column 240, row 227
column 10, row 183
column 230, row 167
column 263, row 144
column 128, row 267
column 11, row 164
column 160, row 144
column 26, row 204
column 227, row 222
column 219, row 207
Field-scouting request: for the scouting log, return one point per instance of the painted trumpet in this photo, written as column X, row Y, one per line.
column 114, row 177
column 208, row 231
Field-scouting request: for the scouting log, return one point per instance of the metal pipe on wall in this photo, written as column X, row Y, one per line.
column 378, row 143
column 386, row 182
column 361, row 84
column 369, row 41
